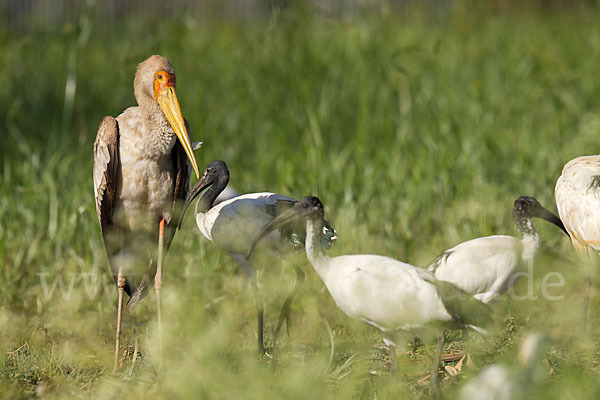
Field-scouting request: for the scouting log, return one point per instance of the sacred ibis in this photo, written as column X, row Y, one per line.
column 140, row 174
column 484, row 266
column 231, row 225
column 395, row 297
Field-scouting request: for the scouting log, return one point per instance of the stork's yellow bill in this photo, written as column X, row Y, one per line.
column 164, row 92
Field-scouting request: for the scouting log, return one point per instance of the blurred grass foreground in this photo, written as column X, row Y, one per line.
column 418, row 125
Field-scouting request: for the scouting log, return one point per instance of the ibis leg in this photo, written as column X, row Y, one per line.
column 121, row 288
column 285, row 309
column 393, row 359
column 158, row 284
column 260, row 316
column 260, row 310
column 435, row 377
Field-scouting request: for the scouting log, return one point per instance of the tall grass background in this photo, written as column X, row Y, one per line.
column 417, row 131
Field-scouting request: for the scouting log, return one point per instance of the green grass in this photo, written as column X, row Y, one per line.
column 417, row 133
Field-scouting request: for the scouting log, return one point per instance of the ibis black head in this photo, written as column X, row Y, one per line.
column 216, row 174
column 309, row 206
column 215, row 171
column 527, row 207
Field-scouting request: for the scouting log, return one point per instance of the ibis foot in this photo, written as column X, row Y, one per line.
column 435, row 376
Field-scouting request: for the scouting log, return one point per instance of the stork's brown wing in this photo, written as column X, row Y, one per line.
column 106, row 165
column 181, row 188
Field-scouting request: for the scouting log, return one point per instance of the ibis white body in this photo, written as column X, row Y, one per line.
column 484, row 266
column 386, row 293
column 232, row 224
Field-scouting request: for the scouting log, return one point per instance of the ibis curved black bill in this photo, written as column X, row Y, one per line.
column 198, row 188
column 552, row 218
column 285, row 217
column 307, row 207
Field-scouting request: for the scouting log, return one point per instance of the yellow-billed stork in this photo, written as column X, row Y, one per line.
column 231, row 225
column 395, row 297
column 484, row 266
column 577, row 194
column 140, row 174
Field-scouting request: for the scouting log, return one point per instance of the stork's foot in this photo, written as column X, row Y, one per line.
column 120, row 358
column 116, row 364
column 121, row 288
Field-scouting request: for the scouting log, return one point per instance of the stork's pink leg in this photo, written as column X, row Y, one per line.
column 158, row 283
column 587, row 284
column 121, row 287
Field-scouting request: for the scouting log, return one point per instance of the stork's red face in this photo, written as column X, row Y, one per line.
column 164, row 93
column 163, row 79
